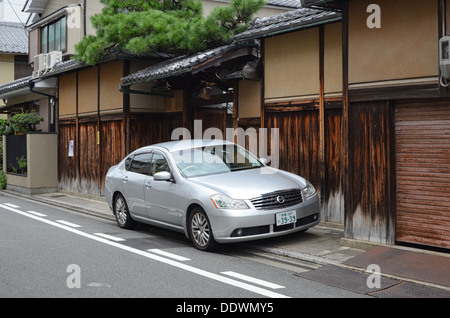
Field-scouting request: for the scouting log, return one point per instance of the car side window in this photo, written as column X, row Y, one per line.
column 128, row 163
column 141, row 163
column 159, row 163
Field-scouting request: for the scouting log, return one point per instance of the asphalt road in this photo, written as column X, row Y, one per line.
column 51, row 252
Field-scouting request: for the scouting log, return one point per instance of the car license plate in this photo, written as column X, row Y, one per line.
column 284, row 218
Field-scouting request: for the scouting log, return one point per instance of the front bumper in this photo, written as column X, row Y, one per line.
column 244, row 225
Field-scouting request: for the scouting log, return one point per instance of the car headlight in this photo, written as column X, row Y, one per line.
column 224, row 202
column 309, row 190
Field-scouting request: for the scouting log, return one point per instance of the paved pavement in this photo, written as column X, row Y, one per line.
column 329, row 257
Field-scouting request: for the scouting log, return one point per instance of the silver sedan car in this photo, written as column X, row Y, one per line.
column 213, row 191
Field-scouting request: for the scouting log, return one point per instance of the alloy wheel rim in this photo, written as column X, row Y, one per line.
column 200, row 229
column 121, row 211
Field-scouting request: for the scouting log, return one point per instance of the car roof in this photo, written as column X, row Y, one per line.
column 187, row 143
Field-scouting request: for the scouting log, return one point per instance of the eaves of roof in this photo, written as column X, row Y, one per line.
column 60, row 68
column 21, row 83
column 15, row 85
column 329, row 5
column 181, row 65
column 287, row 22
column 284, row 3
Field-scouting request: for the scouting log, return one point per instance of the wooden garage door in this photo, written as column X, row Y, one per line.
column 423, row 174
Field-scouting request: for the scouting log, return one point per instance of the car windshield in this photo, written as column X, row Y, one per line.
column 208, row 160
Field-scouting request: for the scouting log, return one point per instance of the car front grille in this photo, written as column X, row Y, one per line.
column 278, row 200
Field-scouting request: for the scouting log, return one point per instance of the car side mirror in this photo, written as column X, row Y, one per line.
column 162, row 176
column 264, row 161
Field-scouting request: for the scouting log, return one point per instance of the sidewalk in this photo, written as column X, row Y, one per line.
column 328, row 257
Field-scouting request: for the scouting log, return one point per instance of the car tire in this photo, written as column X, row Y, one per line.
column 123, row 217
column 200, row 230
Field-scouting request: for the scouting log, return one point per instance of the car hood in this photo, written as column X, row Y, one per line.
column 252, row 183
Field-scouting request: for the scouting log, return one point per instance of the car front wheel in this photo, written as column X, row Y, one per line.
column 122, row 214
column 200, row 230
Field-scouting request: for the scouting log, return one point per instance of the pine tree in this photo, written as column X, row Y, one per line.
column 176, row 27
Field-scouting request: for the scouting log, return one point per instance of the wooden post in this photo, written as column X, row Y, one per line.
column 77, row 137
column 187, row 108
column 235, row 114
column 126, row 113
column 346, row 173
column 98, row 132
column 322, row 117
column 262, row 147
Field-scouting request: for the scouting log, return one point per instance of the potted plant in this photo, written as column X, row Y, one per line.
column 25, row 122
column 22, row 161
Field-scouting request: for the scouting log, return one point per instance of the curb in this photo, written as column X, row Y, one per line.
column 72, row 207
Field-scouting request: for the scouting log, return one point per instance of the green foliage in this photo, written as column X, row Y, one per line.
column 22, row 161
column 2, row 179
column 25, row 122
column 163, row 26
column 3, row 125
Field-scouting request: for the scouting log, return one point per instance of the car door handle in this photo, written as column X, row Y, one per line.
column 148, row 185
column 125, row 179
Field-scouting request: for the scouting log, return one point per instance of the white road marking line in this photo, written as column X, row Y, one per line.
column 167, row 254
column 12, row 205
column 68, row 223
column 37, row 213
column 185, row 267
column 110, row 237
column 253, row 280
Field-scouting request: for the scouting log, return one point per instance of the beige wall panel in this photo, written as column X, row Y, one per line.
column 292, row 64
column 6, row 68
column 141, row 102
column 110, row 96
column 93, row 7
column 333, row 58
column 249, row 99
column 87, row 90
column 176, row 103
column 67, row 94
column 147, row 103
column 42, row 165
column 404, row 47
column 6, row 71
column 33, row 44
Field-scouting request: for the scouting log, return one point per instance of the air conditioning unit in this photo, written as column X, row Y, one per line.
column 39, row 64
column 52, row 59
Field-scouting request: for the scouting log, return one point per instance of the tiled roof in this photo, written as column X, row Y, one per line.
column 293, row 4
column 59, row 68
column 13, row 38
column 284, row 3
column 288, row 21
column 15, row 85
column 179, row 65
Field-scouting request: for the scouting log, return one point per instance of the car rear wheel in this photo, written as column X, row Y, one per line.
column 200, row 230
column 122, row 214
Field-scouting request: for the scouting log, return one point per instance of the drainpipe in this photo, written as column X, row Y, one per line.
column 444, row 17
column 32, row 84
column 84, row 16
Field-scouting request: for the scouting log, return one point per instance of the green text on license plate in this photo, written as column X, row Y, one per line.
column 285, row 218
